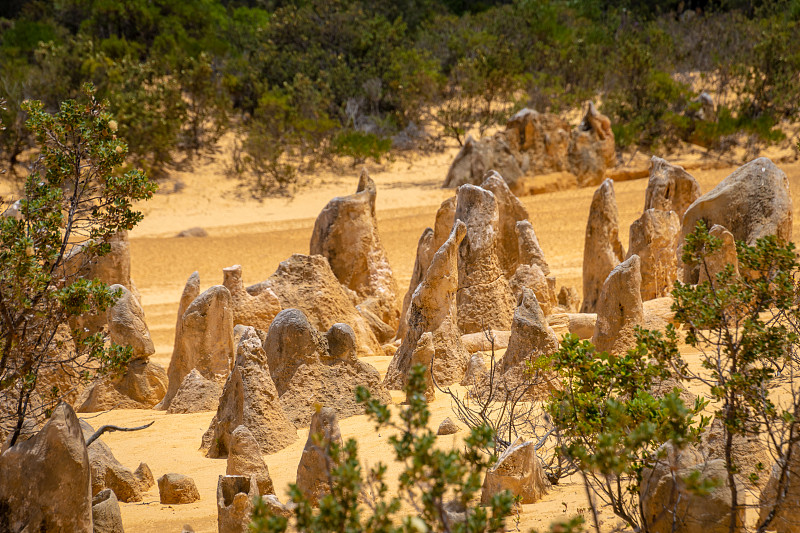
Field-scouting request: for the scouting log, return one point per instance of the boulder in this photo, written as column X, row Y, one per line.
column 717, row 261
column 257, row 311
column 276, row 508
column 235, row 497
column 346, row 234
column 203, row 336
column 196, row 394
column 126, row 325
column 518, row 471
column 619, row 309
column 244, row 459
column 433, row 309
column 447, row 427
column 45, row 481
column 477, row 157
column 602, row 250
column 753, row 202
column 654, row 238
column 423, row 355
column 108, row 473
column 530, row 252
column 142, row 386
column 511, row 213
column 670, row 188
column 249, row 398
column 177, row 489
column 665, row 495
column 658, row 314
column 106, row 515
column 591, row 148
column 306, row 282
column 310, row 367
column 484, row 296
column 787, row 511
column 580, row 324
column 144, row 476
column 313, row 471
column 479, row 342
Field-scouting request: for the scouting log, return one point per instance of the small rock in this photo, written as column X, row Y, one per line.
column 447, row 427
column 177, row 489
column 106, row 514
column 193, row 232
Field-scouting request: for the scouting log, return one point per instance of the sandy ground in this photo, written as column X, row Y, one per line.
column 258, row 235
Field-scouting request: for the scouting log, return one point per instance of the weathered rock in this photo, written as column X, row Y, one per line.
column 580, row 324
column 484, row 296
column 249, row 398
column 717, row 261
column 530, row 252
column 257, row 311
column 531, row 277
column 306, row 282
column 177, row 489
column 309, row 367
column 591, row 148
column 144, row 476
column 569, row 300
column 313, row 470
column 433, row 309
column 425, row 251
column 276, row 508
column 126, row 324
column 619, row 309
column 244, row 459
column 476, row 158
column 511, row 213
column 235, row 496
column 142, row 386
column 658, row 314
column 753, row 202
column 602, row 250
column 443, row 224
column 531, row 337
column 519, row 471
column 749, row 453
column 203, row 336
column 662, row 500
column 382, row 331
column 476, row 372
column 447, row 427
column 423, row 355
column 106, row 515
column 45, row 481
column 670, row 188
column 478, row 342
column 193, row 232
column 196, row 394
column 787, row 510
column 542, row 140
column 661, row 388
column 654, row 238
column 108, row 473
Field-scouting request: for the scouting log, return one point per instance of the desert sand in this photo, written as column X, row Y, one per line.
column 260, row 234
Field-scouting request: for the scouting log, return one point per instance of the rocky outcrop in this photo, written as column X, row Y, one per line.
column 249, row 398
column 753, row 202
column 531, row 277
column 313, row 477
column 484, row 296
column 244, row 459
column 749, row 454
column 346, row 234
column 670, row 188
column 45, row 481
column 580, row 324
column 177, row 489
column 654, row 238
column 203, row 336
column 530, row 252
column 257, row 311
column 106, row 515
column 310, row 367
column 476, row 373
column 306, row 282
column 126, row 324
column 518, row 471
column 619, row 309
column 196, row 394
column 602, row 250
column 142, row 386
column 433, row 309
column 542, row 140
column 569, row 301
column 235, row 499
column 480, row 342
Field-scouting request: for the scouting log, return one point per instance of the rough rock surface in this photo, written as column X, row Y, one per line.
column 476, row 372
column 257, row 311
column 249, row 398
column 591, row 148
column 620, row 309
column 654, row 238
column 310, row 367
column 45, row 481
column 542, row 139
column 580, row 324
column 346, row 233
column 177, row 489
column 477, row 157
column 203, row 336
column 244, row 459
column 126, row 324
column 447, row 427
column 108, row 473
column 531, row 336
column 106, row 515
column 144, row 476
column 511, row 213
column 312, row 472
column 530, row 252
column 433, row 309
column 658, row 313
column 478, row 342
column 484, row 296
column 787, row 517
column 661, row 499
column 235, row 496
column 519, row 471
column 602, row 250
column 724, row 256
column 569, row 300
column 142, row 386
column 531, row 277
column 670, row 188
column 753, row 202
column 196, row 394
column 425, row 251
column 750, row 454
column 423, row 355
column 306, row 282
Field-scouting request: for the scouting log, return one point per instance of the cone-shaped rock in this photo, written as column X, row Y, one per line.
column 511, row 212
column 518, row 471
column 620, row 309
column 313, row 470
column 423, row 355
column 196, row 394
column 531, row 336
column 244, row 459
column 602, row 250
column 530, row 252
column 126, row 325
column 257, row 311
column 670, row 188
column 654, row 238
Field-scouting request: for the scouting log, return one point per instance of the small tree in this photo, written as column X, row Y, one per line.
column 73, row 197
column 430, row 479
